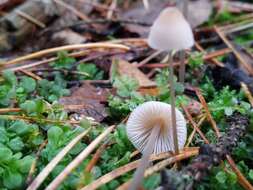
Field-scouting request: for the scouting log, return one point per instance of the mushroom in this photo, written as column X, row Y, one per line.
column 169, row 32
column 149, row 129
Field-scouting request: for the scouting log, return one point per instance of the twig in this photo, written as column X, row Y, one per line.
column 31, row 19
column 7, row 110
column 51, row 165
column 96, row 157
column 35, row 119
column 190, row 138
column 29, row 73
column 124, row 169
column 72, row 9
column 146, row 60
column 57, row 181
column 67, row 47
column 209, row 116
column 37, row 63
column 214, row 61
column 195, row 127
column 238, row 56
column 98, row 5
column 33, row 166
column 243, row 181
column 64, row 71
column 247, row 93
column 163, row 164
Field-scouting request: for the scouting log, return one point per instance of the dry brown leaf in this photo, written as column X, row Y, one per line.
column 87, row 100
column 69, row 37
column 125, row 68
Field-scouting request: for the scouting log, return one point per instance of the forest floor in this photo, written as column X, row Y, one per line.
column 72, row 72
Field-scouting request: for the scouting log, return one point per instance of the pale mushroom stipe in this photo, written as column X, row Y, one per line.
column 182, row 53
column 149, row 129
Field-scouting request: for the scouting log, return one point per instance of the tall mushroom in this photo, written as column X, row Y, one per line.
column 171, row 32
column 149, row 129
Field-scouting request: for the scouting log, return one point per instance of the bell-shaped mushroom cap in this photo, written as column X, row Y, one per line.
column 170, row 31
column 155, row 114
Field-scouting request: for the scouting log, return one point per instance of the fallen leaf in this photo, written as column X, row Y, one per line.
column 69, row 37
column 87, row 100
column 123, row 67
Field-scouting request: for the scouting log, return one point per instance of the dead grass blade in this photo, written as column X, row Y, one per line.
column 126, row 168
column 209, row 116
column 67, row 47
column 51, row 165
column 247, row 93
column 160, row 165
column 59, row 179
column 195, row 127
column 230, row 45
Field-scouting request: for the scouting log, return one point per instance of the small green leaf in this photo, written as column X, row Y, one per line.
column 29, row 106
column 251, row 174
column 16, row 144
column 28, row 84
column 12, row 179
column 96, row 172
column 221, row 177
column 54, row 135
column 63, row 61
column 10, row 77
column 228, row 111
column 19, row 127
column 25, row 164
column 5, row 154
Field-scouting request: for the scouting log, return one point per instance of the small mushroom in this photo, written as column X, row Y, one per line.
column 169, row 32
column 155, row 114
column 149, row 129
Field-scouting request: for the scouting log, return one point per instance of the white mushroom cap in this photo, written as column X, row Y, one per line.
column 154, row 114
column 170, row 31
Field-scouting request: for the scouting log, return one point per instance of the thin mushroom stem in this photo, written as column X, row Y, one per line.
column 182, row 67
column 139, row 174
column 182, row 53
column 172, row 102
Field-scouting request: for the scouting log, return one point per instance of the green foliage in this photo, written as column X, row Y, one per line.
column 63, row 61
column 226, row 102
column 196, row 60
column 51, row 91
column 221, row 17
column 7, row 88
column 125, row 85
column 162, row 81
column 17, row 139
column 90, row 72
column 127, row 97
